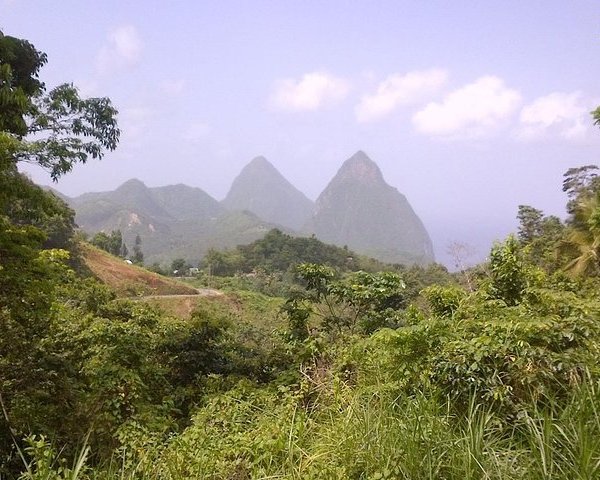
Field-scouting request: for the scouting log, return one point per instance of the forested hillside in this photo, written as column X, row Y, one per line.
column 172, row 222
column 355, row 370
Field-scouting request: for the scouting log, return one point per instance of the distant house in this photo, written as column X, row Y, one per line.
column 193, row 271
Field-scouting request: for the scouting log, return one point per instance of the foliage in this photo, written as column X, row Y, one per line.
column 509, row 274
column 179, row 266
column 54, row 130
column 361, row 302
column 112, row 243
column 279, row 252
column 20, row 63
column 583, row 236
column 506, row 356
column 443, row 301
column 138, row 255
column 579, row 182
column 64, row 128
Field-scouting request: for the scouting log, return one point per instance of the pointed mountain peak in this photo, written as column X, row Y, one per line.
column 359, row 166
column 359, row 209
column 259, row 166
column 263, row 190
column 260, row 161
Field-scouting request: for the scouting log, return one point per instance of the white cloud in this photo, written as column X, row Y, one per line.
column 558, row 113
column 471, row 111
column 196, row 132
column 311, row 92
column 397, row 90
column 123, row 49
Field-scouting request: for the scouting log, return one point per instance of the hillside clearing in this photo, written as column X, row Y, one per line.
column 129, row 280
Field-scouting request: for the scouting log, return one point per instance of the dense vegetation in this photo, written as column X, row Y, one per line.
column 360, row 374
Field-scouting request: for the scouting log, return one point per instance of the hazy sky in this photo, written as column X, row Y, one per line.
column 470, row 108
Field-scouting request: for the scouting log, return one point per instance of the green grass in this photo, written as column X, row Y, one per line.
column 321, row 433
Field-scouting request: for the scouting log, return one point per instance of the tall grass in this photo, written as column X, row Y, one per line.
column 359, row 435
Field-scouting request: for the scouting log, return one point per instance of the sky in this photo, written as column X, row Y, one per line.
column 469, row 108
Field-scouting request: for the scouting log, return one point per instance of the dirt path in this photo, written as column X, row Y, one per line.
column 202, row 292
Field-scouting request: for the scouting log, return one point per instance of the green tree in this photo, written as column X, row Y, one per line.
column 55, row 130
column 20, row 63
column 540, row 236
column 583, row 236
column 112, row 243
column 508, row 272
column 138, row 255
column 579, row 182
column 361, row 302
column 178, row 266
column 530, row 223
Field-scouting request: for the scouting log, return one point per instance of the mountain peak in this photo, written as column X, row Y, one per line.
column 359, row 209
column 359, row 166
column 261, row 189
column 259, row 161
column 132, row 184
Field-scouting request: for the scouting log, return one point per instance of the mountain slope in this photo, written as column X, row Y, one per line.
column 172, row 221
column 129, row 280
column 187, row 203
column 262, row 190
column 360, row 210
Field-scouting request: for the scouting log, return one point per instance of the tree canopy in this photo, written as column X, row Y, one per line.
column 54, row 129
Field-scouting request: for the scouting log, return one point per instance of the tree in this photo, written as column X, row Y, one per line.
column 508, row 272
column 112, row 243
column 530, row 221
column 178, row 266
column 138, row 255
column 578, row 182
column 20, row 63
column 55, row 129
column 362, row 301
column 583, row 237
column 596, row 116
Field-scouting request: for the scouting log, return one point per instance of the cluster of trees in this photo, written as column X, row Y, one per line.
column 278, row 252
column 113, row 243
column 54, row 129
column 270, row 265
column 572, row 246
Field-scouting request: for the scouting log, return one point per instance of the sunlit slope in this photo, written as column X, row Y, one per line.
column 129, row 280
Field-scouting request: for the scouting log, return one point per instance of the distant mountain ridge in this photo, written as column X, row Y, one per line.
column 358, row 209
column 172, row 221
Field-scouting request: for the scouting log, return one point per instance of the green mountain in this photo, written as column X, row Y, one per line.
column 172, row 221
column 360, row 210
column 261, row 189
